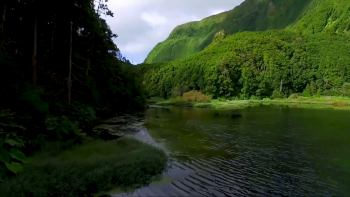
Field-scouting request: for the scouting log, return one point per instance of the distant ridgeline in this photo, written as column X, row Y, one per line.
column 288, row 46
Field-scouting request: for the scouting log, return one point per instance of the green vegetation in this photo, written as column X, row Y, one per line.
column 271, row 64
column 61, row 73
column 329, row 16
column 299, row 102
column 87, row 169
column 193, row 96
column 309, row 16
column 309, row 57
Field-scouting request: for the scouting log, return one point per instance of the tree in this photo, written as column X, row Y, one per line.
column 70, row 66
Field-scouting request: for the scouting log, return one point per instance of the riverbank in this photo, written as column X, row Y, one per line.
column 300, row 102
column 94, row 167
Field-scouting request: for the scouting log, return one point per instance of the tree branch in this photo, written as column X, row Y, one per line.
column 77, row 66
column 78, row 79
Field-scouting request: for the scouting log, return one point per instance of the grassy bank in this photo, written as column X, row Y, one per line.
column 300, row 102
column 85, row 170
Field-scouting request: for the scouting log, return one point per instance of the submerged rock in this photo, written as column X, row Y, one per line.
column 236, row 116
column 120, row 126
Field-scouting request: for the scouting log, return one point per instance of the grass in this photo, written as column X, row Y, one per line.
column 88, row 169
column 155, row 100
column 300, row 102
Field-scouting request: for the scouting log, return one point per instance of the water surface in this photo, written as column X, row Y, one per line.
column 269, row 151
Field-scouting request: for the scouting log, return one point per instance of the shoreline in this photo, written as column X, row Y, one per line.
column 340, row 103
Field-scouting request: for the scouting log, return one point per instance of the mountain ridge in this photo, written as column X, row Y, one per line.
column 309, row 55
column 250, row 15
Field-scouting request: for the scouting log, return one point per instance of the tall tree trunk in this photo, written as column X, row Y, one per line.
column 281, row 86
column 52, row 36
column 35, row 50
column 88, row 67
column 89, row 60
column 70, row 65
column 3, row 16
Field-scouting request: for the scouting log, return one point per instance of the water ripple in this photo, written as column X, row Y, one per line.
column 265, row 153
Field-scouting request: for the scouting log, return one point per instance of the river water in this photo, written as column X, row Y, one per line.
column 262, row 151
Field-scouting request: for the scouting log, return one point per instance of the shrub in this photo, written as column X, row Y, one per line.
column 277, row 95
column 243, row 97
column 346, row 89
column 11, row 157
column 179, row 91
column 195, row 96
column 340, row 104
column 84, row 114
column 294, row 96
column 254, row 98
column 64, row 128
column 332, row 92
column 319, row 93
column 307, row 92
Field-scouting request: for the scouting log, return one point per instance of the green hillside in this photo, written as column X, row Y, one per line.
column 251, row 15
column 331, row 16
column 274, row 63
column 311, row 55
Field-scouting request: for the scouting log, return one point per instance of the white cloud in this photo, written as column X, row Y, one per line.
column 154, row 19
column 134, row 47
column 141, row 24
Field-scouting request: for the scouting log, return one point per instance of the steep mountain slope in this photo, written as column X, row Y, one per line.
column 310, row 55
column 251, row 15
column 262, row 64
column 332, row 16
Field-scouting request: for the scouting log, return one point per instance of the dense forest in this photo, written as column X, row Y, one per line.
column 60, row 72
column 310, row 57
column 310, row 15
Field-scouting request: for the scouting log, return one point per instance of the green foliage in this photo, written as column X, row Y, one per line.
column 255, row 98
column 101, row 76
column 82, row 113
column 87, row 169
column 257, row 63
column 310, row 56
column 11, row 157
column 103, row 81
column 294, row 96
column 219, row 36
column 64, row 128
column 302, row 16
column 346, row 89
column 277, row 95
column 195, row 96
column 307, row 92
column 252, row 15
column 179, row 91
column 329, row 16
column 319, row 93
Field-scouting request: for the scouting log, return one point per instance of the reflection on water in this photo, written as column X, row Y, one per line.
column 269, row 151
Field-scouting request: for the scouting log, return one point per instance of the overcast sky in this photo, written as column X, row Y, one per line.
column 141, row 24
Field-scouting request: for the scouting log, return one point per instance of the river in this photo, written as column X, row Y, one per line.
column 262, row 151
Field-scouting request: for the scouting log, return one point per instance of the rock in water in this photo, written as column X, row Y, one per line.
column 120, row 126
column 236, row 116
